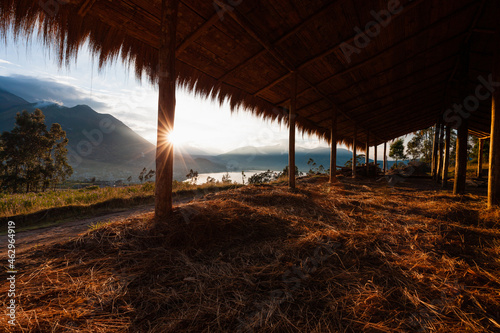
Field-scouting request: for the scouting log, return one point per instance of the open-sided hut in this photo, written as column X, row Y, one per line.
column 351, row 71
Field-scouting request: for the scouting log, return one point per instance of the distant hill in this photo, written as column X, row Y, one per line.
column 276, row 157
column 100, row 145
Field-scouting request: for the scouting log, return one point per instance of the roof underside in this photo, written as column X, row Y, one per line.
column 426, row 56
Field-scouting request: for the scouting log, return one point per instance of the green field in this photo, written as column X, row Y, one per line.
column 28, row 203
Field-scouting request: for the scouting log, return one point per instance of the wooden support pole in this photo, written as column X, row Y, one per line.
column 480, row 159
column 354, row 144
column 333, row 146
column 434, row 151
column 461, row 159
column 166, row 110
column 375, row 156
column 385, row 157
column 441, row 153
column 494, row 173
column 291, row 142
column 446, row 164
column 367, row 156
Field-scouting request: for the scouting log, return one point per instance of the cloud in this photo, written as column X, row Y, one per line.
column 34, row 90
column 6, row 62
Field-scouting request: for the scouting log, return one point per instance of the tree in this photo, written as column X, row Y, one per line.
column 226, row 179
column 415, row 147
column 143, row 174
column 33, row 158
column 193, row 175
column 397, row 150
column 359, row 160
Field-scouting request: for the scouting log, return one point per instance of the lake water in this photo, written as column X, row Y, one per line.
column 235, row 176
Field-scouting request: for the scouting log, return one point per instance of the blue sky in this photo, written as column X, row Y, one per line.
column 31, row 71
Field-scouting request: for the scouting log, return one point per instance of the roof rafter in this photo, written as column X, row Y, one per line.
column 243, row 22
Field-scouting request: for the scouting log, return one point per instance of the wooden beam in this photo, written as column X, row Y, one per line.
column 367, row 154
column 446, row 165
column 400, row 87
column 375, row 156
column 333, row 148
column 354, row 146
column 404, row 62
column 247, row 26
column 289, row 34
column 461, row 159
column 385, row 157
column 86, row 7
column 166, row 111
column 197, row 33
column 435, row 151
column 470, row 30
column 494, row 173
column 480, row 159
column 338, row 47
column 291, row 142
column 440, row 154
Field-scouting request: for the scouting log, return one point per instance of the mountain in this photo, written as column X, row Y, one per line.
column 102, row 146
column 276, row 157
column 99, row 145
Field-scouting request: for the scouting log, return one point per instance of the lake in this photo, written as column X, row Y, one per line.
column 235, row 176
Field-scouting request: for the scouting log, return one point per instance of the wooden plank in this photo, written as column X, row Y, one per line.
column 86, row 7
column 385, row 157
column 494, row 173
column 480, row 159
column 461, row 159
column 197, row 34
column 291, row 140
column 440, row 154
column 444, row 177
column 367, row 154
column 333, row 148
column 243, row 22
column 354, row 146
column 435, row 151
column 166, row 111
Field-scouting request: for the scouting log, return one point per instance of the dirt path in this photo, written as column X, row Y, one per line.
column 26, row 240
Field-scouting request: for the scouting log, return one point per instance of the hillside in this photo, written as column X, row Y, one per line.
column 99, row 144
column 276, row 157
column 352, row 257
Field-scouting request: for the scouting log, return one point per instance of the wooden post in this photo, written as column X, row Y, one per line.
column 434, row 151
column 367, row 156
column 440, row 155
column 480, row 159
column 385, row 157
column 166, row 110
column 461, row 159
column 291, row 142
column 375, row 156
column 333, row 145
column 446, row 164
column 354, row 143
column 494, row 173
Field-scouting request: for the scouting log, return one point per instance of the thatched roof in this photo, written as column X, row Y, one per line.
column 427, row 56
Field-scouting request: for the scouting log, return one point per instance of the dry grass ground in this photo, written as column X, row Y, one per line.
column 358, row 256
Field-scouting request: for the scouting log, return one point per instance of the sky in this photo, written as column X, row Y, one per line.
column 30, row 70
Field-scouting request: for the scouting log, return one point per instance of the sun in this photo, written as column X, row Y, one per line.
column 178, row 138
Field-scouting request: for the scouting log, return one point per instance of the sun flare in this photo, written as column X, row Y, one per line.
column 177, row 138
